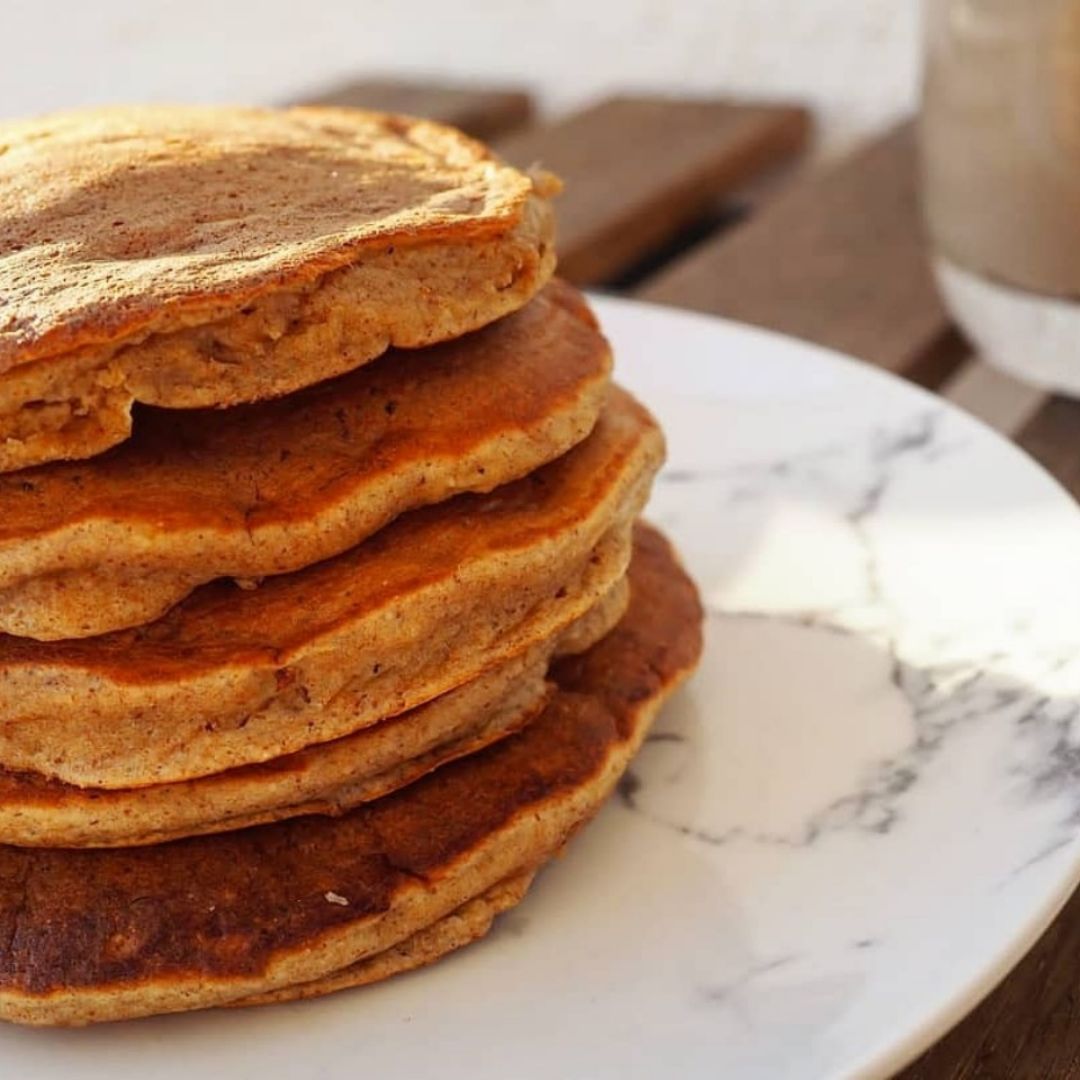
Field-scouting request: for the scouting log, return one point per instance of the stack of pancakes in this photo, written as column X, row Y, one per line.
column 326, row 620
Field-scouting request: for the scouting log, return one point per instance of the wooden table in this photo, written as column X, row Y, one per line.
column 705, row 204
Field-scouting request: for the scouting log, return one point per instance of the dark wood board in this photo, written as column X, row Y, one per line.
column 638, row 170
column 837, row 258
column 482, row 111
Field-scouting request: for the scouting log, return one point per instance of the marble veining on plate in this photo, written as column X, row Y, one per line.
column 944, row 680
column 891, row 690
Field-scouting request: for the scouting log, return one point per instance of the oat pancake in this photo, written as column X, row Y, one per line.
column 113, row 542
column 327, row 778
column 197, row 256
column 231, row 677
column 103, row 935
column 446, row 935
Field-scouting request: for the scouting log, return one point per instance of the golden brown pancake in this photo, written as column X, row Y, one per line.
column 454, row 931
column 100, row 545
column 197, row 256
column 232, row 677
column 327, row 778
column 108, row 934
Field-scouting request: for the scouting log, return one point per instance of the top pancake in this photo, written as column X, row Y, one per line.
column 186, row 257
column 90, row 547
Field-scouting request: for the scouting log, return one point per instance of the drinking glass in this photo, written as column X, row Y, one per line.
column 1000, row 159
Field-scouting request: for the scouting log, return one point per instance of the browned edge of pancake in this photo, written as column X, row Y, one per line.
column 114, row 542
column 99, row 935
column 229, row 678
column 467, row 924
column 327, row 779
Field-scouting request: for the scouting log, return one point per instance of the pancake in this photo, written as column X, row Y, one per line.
column 231, row 677
column 90, row 547
column 104, row 935
column 446, row 935
column 327, row 778
column 200, row 256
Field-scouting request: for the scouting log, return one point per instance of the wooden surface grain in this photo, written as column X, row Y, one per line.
column 1052, row 437
column 838, row 259
column 638, row 170
column 994, row 396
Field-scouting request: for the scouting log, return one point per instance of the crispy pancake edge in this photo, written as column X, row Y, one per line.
column 222, row 679
column 328, row 778
column 111, row 543
column 61, row 969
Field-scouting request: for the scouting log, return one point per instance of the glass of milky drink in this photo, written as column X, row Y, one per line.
column 1000, row 141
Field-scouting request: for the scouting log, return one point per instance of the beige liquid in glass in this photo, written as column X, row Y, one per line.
column 1000, row 134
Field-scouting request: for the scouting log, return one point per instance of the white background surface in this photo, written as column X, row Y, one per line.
column 853, row 60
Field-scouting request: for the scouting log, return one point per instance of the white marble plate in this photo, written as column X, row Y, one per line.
column 860, row 813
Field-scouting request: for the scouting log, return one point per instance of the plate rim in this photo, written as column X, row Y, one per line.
column 886, row 1059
